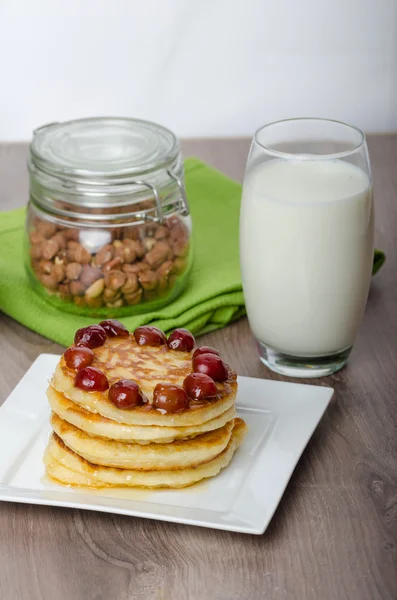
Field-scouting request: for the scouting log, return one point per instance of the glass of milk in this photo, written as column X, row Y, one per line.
column 306, row 243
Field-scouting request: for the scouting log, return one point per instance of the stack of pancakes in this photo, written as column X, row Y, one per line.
column 96, row 444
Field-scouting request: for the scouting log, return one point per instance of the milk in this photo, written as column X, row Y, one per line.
column 306, row 247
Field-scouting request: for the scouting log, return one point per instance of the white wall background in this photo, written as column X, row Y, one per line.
column 201, row 67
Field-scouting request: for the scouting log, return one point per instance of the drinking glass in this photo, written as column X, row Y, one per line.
column 306, row 243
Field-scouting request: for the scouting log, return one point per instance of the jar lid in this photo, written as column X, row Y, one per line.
column 103, row 148
column 92, row 165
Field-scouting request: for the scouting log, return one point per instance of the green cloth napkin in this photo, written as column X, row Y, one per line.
column 212, row 299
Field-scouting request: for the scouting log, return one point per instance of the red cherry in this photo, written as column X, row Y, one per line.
column 205, row 350
column 199, row 386
column 114, row 328
column 149, row 336
column 91, row 379
column 170, row 398
column 181, row 339
column 91, row 337
column 126, row 394
column 78, row 357
column 211, row 365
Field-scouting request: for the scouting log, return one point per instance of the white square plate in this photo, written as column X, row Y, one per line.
column 281, row 418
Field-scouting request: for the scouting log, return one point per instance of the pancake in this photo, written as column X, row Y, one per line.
column 97, row 425
column 66, row 467
column 123, row 358
column 151, row 457
column 98, row 443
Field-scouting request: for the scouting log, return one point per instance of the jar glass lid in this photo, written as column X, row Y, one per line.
column 103, row 147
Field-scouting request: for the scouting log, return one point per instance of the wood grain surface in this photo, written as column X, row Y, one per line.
column 334, row 535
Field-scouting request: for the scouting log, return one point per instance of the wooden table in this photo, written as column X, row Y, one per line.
column 334, row 535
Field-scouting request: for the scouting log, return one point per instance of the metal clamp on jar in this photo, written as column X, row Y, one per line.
column 108, row 225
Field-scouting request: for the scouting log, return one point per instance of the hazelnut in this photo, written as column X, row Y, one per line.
column 104, row 255
column 116, row 304
column 110, row 295
column 64, row 291
column 73, row 270
column 49, row 281
column 112, row 264
column 136, row 268
column 131, row 285
column 133, row 298
column 58, row 271
column 179, row 233
column 128, row 268
column 158, row 254
column 95, row 289
column 148, row 280
column 149, row 243
column 76, row 288
column 71, row 246
column 61, row 257
column 49, row 248
column 180, row 247
column 45, row 266
column 126, row 253
column 136, row 246
column 163, row 273
column 36, row 237
column 82, row 255
column 59, row 238
column 35, row 251
column 71, row 234
column 161, row 233
column 115, row 279
column 45, row 228
column 89, row 275
column 165, row 269
column 178, row 230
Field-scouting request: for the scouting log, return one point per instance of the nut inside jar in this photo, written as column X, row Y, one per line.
column 136, row 265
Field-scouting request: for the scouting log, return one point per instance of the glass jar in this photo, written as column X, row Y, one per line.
column 108, row 230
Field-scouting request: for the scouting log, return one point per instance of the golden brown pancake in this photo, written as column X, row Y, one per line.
column 123, row 358
column 97, row 444
column 97, row 425
column 151, row 457
column 65, row 466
